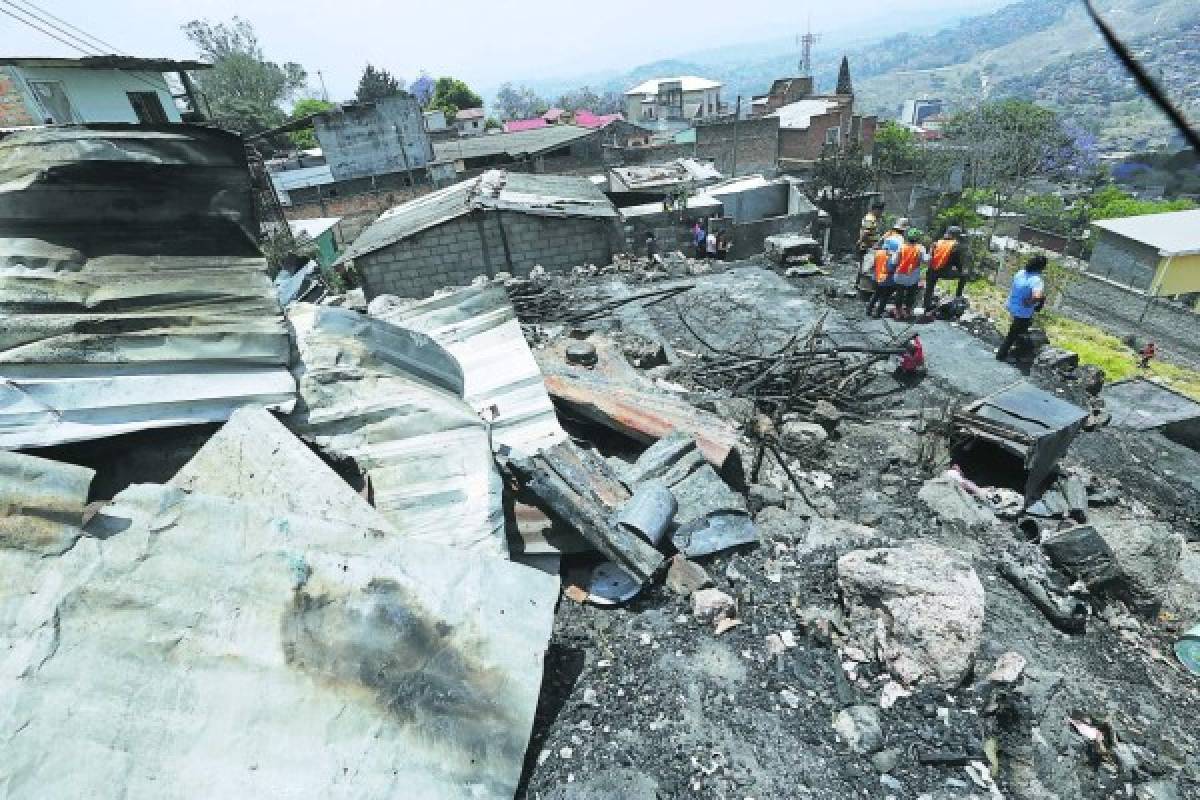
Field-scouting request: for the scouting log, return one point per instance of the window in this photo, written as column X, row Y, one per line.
column 56, row 106
column 148, row 107
column 833, row 136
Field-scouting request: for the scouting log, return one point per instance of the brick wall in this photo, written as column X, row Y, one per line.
column 455, row 253
column 362, row 203
column 757, row 145
column 13, row 110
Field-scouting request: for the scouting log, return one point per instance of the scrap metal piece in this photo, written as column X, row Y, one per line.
column 610, row 585
column 131, row 287
column 258, row 653
column 718, row 531
column 1032, row 424
column 650, row 511
column 42, row 503
column 649, row 417
column 392, row 400
column 480, row 329
column 557, row 482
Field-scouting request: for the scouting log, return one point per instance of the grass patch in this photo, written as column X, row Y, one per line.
column 1095, row 347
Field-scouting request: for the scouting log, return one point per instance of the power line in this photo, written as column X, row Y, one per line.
column 43, row 30
column 112, row 47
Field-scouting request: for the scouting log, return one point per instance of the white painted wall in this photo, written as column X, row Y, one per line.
column 98, row 95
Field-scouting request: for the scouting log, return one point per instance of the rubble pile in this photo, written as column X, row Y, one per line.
column 631, row 532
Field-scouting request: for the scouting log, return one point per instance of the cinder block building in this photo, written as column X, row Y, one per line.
column 497, row 222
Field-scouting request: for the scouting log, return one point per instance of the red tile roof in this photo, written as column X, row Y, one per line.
column 512, row 126
column 587, row 119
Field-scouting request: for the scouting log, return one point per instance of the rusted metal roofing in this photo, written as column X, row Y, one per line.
column 495, row 190
column 511, row 145
column 132, row 293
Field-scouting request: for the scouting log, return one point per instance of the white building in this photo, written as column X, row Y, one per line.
column 685, row 99
column 470, row 122
column 62, row 91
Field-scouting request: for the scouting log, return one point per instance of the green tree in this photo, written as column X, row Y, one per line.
column 452, row 95
column 243, row 89
column 1112, row 203
column 839, row 179
column 491, row 124
column 896, row 149
column 376, row 84
column 518, row 102
column 306, row 138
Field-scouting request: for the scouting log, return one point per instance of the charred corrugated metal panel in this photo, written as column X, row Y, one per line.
column 132, row 294
column 479, row 328
column 42, row 503
column 391, row 399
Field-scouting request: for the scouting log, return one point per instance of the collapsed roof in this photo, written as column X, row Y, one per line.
column 495, row 190
column 661, row 176
column 131, row 284
column 518, row 144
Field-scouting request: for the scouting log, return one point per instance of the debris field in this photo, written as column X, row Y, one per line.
column 661, row 529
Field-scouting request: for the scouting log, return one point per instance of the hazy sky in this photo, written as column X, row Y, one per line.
column 483, row 42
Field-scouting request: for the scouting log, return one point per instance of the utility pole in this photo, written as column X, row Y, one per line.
column 324, row 91
column 737, row 114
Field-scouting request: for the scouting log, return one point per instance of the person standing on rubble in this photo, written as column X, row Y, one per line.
column 887, row 255
column 907, row 275
column 946, row 262
column 868, row 232
column 710, row 245
column 699, row 237
column 1026, row 298
column 652, row 248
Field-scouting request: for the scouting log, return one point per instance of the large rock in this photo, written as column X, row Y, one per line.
column 919, row 607
column 948, row 499
column 1148, row 560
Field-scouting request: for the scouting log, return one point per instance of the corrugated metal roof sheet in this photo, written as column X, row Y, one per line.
column 513, row 145
column 1176, row 233
column 672, row 173
column 131, row 290
column 480, row 329
column 302, row 178
column 392, row 400
column 539, row 195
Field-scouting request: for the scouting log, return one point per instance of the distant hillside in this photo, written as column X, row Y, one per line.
column 1049, row 51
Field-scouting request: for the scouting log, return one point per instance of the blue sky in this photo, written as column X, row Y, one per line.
column 482, row 41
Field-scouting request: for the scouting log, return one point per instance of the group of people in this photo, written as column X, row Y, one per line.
column 711, row 244
column 901, row 260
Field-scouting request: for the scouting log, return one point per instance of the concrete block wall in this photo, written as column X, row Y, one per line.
column 456, row 252
column 1123, row 260
column 383, row 137
column 757, row 145
column 13, row 109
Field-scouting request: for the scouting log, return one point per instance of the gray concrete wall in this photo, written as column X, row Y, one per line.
column 748, row 205
column 386, row 136
column 456, row 252
column 1123, row 260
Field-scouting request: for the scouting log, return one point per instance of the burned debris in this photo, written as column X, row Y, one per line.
column 671, row 527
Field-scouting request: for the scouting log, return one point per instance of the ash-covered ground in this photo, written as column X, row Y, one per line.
column 644, row 701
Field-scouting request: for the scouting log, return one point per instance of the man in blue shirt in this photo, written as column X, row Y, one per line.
column 1027, row 297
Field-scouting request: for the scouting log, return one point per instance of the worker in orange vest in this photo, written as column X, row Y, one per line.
column 907, row 276
column 946, row 262
column 887, row 255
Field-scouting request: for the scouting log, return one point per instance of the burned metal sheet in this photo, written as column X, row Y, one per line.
column 253, row 456
column 234, row 651
column 480, row 329
column 391, row 400
column 42, row 503
column 1032, row 424
column 132, row 294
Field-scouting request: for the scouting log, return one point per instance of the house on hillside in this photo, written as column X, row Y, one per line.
column 63, row 91
column 678, row 101
column 498, row 222
column 470, row 122
column 1157, row 254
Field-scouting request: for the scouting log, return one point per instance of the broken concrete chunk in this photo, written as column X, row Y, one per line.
column 918, row 605
column 1008, row 668
column 800, row 435
column 1148, row 560
column 948, row 499
column 858, row 727
column 684, row 577
column 711, row 605
column 285, row 646
column 41, row 503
